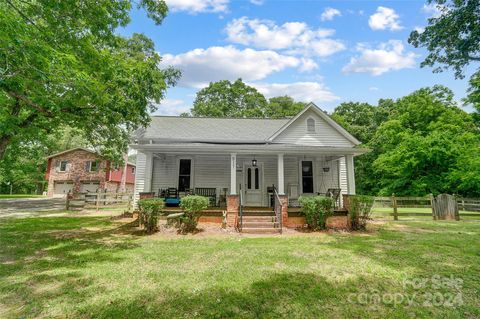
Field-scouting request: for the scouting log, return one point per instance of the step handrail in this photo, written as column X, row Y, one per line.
column 278, row 208
column 240, row 208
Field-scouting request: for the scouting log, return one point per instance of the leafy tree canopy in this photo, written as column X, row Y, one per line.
column 62, row 64
column 453, row 39
column 236, row 99
column 420, row 144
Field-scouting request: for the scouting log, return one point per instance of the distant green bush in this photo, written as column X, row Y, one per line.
column 360, row 207
column 192, row 205
column 150, row 210
column 316, row 210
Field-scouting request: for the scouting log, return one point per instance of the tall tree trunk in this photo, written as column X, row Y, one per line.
column 4, row 141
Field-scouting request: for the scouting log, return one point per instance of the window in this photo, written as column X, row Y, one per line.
column 133, row 170
column 184, row 174
column 92, row 166
column 311, row 125
column 256, row 179
column 63, row 166
column 307, row 176
column 249, row 178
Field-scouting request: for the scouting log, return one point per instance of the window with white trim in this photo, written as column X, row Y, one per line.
column 63, row 166
column 184, row 174
column 92, row 166
column 307, row 177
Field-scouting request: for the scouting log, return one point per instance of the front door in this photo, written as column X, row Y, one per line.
column 253, row 185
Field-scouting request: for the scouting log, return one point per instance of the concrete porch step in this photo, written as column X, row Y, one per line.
column 255, row 230
column 259, row 219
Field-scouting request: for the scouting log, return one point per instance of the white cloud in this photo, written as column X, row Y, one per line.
column 201, row 66
column 385, row 19
column 171, row 107
column 329, row 13
column 297, row 37
column 299, row 91
column 257, row 2
column 197, row 6
column 373, row 88
column 433, row 10
column 389, row 56
column 419, row 29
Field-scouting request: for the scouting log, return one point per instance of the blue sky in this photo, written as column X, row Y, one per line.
column 326, row 52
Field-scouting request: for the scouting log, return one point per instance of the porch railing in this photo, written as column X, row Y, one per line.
column 277, row 204
column 240, row 208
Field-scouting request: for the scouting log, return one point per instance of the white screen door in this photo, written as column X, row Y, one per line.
column 253, row 185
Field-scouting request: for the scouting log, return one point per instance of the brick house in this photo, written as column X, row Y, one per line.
column 82, row 170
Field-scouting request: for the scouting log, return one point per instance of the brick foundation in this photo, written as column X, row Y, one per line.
column 233, row 205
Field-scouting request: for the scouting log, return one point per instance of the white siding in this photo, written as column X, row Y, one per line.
column 324, row 135
column 343, row 178
column 139, row 176
column 214, row 171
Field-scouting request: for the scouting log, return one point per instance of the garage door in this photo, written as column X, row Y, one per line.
column 89, row 187
column 62, row 188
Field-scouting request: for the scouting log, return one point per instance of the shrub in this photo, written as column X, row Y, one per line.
column 192, row 205
column 150, row 209
column 359, row 210
column 316, row 210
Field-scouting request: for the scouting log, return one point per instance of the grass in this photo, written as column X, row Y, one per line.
column 92, row 267
column 14, row 196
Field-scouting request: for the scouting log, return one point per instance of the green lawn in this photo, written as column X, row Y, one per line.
column 91, row 267
column 14, row 196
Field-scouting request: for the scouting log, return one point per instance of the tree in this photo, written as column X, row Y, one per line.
column 283, row 106
column 453, row 39
column 423, row 147
column 62, row 64
column 227, row 99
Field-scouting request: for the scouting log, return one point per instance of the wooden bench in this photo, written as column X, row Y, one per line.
column 211, row 193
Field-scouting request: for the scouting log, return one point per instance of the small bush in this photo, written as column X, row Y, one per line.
column 359, row 210
column 192, row 205
column 316, row 210
column 150, row 209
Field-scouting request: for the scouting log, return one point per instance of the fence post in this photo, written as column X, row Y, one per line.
column 67, row 203
column 432, row 203
column 97, row 204
column 394, row 204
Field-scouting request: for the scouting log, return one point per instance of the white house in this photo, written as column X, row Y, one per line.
column 243, row 158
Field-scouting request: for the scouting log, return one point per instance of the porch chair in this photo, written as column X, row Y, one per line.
column 171, row 197
column 334, row 193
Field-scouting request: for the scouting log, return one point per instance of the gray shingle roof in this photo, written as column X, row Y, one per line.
column 204, row 129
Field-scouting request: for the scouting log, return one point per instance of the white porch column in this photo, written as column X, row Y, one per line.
column 233, row 174
column 147, row 187
column 350, row 174
column 281, row 179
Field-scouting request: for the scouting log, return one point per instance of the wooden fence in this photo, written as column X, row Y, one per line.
column 441, row 207
column 97, row 200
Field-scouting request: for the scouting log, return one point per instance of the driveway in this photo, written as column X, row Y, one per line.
column 27, row 207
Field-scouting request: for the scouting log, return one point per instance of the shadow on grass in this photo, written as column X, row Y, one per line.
column 41, row 257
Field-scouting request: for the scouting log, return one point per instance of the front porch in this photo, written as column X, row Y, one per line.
column 237, row 180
